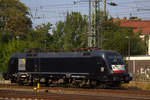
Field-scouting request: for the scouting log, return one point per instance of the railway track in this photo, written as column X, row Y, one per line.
column 59, row 93
column 71, row 96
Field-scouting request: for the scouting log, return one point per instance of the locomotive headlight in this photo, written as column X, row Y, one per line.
column 116, row 78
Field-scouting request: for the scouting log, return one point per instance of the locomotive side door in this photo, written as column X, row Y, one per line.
column 36, row 65
column 101, row 65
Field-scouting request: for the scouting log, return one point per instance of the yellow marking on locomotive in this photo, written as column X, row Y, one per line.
column 23, row 60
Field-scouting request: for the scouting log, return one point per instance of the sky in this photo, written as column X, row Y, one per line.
column 44, row 11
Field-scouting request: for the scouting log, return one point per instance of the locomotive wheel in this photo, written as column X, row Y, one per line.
column 102, row 86
column 93, row 83
column 20, row 83
column 116, row 84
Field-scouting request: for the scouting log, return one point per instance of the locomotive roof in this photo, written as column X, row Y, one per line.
column 61, row 54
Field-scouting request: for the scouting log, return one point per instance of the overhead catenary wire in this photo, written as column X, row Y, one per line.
column 58, row 10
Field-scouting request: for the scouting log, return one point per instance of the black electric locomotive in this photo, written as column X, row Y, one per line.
column 95, row 68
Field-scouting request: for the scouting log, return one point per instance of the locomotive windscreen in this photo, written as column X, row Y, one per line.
column 116, row 63
column 114, row 59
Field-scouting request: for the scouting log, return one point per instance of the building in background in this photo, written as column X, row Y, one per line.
column 140, row 27
column 139, row 66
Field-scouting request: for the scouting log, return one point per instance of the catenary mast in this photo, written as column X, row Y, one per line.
column 94, row 24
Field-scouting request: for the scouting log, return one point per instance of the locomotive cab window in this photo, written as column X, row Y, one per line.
column 114, row 59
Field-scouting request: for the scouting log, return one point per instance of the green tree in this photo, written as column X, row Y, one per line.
column 72, row 33
column 14, row 18
column 35, row 39
column 58, row 36
column 118, row 38
column 40, row 37
column 7, row 49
